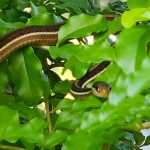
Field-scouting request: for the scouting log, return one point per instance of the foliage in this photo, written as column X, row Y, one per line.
column 88, row 123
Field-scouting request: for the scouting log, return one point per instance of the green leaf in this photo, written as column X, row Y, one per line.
column 29, row 82
column 110, row 74
column 119, row 90
column 4, row 4
column 69, row 120
column 78, row 60
column 135, row 86
column 54, row 138
column 91, row 102
column 12, row 15
column 20, row 4
column 131, row 47
column 45, row 19
column 3, row 76
column 6, row 27
column 79, row 104
column 8, row 124
column 87, row 24
column 27, row 113
column 77, row 111
column 102, row 51
column 139, row 138
column 85, row 142
column 147, row 142
column 86, row 123
column 113, row 27
column 65, row 104
column 62, row 87
column 77, row 67
column 78, row 7
column 36, row 10
column 11, row 130
column 33, row 129
column 70, row 5
column 138, row 3
column 7, row 99
column 129, row 18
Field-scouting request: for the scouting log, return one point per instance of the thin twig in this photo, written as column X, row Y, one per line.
column 48, row 116
column 5, row 147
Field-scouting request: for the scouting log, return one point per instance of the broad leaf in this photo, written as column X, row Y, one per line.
column 131, row 47
column 138, row 3
column 129, row 18
column 87, row 24
column 26, row 74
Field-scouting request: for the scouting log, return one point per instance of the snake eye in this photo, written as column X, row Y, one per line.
column 96, row 87
column 101, row 89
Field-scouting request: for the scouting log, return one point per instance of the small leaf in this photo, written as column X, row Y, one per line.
column 139, row 138
column 36, row 10
column 147, row 141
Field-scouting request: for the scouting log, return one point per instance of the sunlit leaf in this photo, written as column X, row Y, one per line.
column 129, row 18
column 138, row 3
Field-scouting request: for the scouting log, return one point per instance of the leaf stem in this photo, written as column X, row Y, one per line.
column 5, row 147
column 47, row 109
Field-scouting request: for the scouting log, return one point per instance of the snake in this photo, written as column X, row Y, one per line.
column 48, row 35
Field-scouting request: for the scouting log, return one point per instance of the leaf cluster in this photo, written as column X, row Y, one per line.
column 90, row 123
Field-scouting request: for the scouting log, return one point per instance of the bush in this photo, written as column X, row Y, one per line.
column 88, row 123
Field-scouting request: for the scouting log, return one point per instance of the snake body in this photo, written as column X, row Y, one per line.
column 30, row 35
column 48, row 35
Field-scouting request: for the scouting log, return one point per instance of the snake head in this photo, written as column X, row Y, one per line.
column 101, row 89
